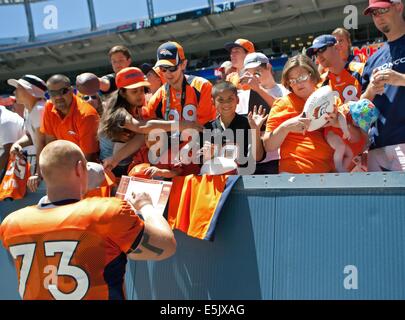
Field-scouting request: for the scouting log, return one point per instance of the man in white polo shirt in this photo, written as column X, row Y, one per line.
column 30, row 91
column 258, row 76
column 11, row 129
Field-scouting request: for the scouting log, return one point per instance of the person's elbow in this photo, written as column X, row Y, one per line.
column 268, row 142
column 170, row 249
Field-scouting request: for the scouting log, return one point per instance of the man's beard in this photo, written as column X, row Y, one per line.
column 385, row 29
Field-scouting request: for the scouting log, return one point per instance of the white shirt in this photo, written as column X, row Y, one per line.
column 277, row 91
column 33, row 120
column 11, row 126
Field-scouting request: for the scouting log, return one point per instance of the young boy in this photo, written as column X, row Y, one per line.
column 231, row 132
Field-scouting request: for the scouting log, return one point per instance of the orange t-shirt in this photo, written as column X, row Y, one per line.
column 198, row 103
column 72, row 251
column 79, row 126
column 299, row 154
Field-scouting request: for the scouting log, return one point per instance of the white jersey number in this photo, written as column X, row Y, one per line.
column 67, row 248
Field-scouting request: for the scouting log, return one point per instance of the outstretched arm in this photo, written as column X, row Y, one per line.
column 158, row 242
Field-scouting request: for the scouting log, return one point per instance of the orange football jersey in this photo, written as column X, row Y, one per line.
column 347, row 83
column 73, row 249
column 198, row 106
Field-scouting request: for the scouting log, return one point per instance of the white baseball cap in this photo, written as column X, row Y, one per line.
column 255, row 59
column 35, row 86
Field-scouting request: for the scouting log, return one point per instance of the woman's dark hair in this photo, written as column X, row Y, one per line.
column 115, row 111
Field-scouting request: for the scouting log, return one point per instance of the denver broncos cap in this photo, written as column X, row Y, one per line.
column 241, row 43
column 170, row 54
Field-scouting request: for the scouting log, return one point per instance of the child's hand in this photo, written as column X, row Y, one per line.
column 207, row 151
column 257, row 118
column 347, row 135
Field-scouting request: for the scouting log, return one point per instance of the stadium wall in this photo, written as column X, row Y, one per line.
column 281, row 237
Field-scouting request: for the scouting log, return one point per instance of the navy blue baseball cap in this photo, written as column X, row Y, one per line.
column 320, row 42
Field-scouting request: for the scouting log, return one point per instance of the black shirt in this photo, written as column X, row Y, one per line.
column 237, row 134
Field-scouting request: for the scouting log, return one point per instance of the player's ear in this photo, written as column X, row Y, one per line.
column 80, row 168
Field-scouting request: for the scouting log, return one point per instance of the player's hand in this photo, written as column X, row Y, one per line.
column 332, row 120
column 110, row 163
column 140, row 200
column 250, row 80
column 16, row 150
column 33, row 183
column 257, row 118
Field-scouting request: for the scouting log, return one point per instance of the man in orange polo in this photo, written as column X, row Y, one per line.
column 68, row 118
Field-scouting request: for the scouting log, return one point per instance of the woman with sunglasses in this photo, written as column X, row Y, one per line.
column 300, row 151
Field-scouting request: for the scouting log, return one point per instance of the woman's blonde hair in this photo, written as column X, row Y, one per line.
column 304, row 62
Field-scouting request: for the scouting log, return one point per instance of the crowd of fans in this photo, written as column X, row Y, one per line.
column 112, row 118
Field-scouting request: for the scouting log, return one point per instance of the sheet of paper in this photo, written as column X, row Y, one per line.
column 154, row 190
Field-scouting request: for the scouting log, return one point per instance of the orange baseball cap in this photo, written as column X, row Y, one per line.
column 170, row 54
column 131, row 78
column 241, row 43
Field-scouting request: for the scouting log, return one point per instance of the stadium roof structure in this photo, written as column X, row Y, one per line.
column 6, row 2
column 257, row 21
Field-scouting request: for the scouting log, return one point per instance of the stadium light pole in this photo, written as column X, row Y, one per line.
column 30, row 23
column 151, row 11
column 92, row 14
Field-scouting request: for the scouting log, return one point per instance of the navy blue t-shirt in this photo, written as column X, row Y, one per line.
column 391, row 125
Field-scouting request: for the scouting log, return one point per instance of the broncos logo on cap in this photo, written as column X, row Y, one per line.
column 165, row 52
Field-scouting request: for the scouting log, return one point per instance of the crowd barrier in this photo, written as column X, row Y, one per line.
column 333, row 236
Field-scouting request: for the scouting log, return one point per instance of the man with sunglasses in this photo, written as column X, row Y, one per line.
column 342, row 76
column 384, row 83
column 345, row 79
column 183, row 97
column 66, row 117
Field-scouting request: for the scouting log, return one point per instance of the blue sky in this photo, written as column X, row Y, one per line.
column 73, row 14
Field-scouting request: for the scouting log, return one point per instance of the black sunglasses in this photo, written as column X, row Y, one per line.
column 171, row 69
column 89, row 98
column 323, row 49
column 60, row 92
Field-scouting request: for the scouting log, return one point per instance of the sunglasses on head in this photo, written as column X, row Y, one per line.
column 60, row 92
column 170, row 69
column 379, row 11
